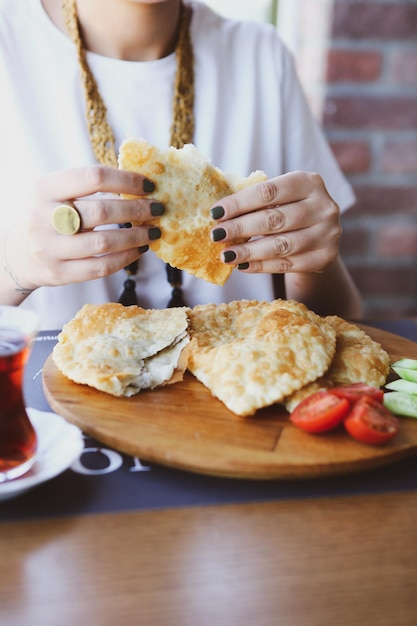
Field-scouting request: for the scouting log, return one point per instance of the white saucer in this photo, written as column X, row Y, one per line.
column 59, row 444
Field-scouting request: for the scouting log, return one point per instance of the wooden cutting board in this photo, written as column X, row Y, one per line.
column 184, row 426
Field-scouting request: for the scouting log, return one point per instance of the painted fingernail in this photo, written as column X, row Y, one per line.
column 143, row 249
column 243, row 266
column 154, row 233
column 218, row 234
column 229, row 256
column 148, row 185
column 217, row 212
column 157, row 209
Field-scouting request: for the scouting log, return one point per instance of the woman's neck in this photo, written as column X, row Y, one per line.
column 124, row 29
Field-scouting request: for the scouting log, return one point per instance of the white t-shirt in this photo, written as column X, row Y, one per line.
column 250, row 113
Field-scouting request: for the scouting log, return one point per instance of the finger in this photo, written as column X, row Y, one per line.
column 265, row 222
column 80, row 270
column 286, row 246
column 289, row 218
column 84, row 181
column 288, row 188
column 101, row 211
column 313, row 262
column 98, row 243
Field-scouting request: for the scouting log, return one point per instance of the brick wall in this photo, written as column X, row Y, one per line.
column 365, row 95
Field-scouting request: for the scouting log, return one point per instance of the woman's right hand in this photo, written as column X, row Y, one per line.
column 37, row 255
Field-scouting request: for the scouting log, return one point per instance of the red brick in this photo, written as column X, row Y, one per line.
column 354, row 157
column 353, row 66
column 397, row 241
column 379, row 201
column 389, row 281
column 374, row 20
column 399, row 157
column 371, row 112
column 389, row 309
column 403, row 67
column 354, row 241
column 372, row 99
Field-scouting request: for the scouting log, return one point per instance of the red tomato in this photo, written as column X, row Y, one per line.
column 358, row 390
column 320, row 412
column 370, row 422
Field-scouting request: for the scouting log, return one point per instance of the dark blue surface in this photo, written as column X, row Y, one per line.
column 405, row 328
column 105, row 480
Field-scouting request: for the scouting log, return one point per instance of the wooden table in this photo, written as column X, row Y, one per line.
column 316, row 562
column 306, row 559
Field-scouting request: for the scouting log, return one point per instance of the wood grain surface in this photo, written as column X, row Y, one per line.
column 340, row 561
column 183, row 426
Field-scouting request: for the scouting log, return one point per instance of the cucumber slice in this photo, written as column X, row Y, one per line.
column 401, row 403
column 406, row 373
column 410, row 364
column 402, row 385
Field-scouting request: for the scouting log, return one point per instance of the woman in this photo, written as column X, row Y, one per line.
column 248, row 113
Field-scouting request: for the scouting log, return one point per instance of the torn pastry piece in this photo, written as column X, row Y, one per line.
column 188, row 186
column 252, row 354
column 121, row 350
column 358, row 359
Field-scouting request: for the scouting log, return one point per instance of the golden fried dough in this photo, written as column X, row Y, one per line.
column 252, row 354
column 249, row 354
column 188, row 186
column 121, row 350
column 358, row 359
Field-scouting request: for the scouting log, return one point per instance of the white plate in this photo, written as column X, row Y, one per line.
column 59, row 444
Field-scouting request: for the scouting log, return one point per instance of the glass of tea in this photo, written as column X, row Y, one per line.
column 18, row 442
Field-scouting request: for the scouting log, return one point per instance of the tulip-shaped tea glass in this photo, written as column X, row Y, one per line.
column 18, row 442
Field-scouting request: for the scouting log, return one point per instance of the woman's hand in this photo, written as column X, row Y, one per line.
column 36, row 255
column 292, row 227
column 291, row 222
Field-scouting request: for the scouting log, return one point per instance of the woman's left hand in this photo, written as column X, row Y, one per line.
column 288, row 224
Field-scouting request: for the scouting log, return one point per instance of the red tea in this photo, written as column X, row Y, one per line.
column 17, row 436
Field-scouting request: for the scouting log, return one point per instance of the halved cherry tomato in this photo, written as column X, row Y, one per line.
column 357, row 390
column 320, row 412
column 370, row 422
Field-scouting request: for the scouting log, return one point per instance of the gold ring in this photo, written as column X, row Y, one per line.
column 65, row 219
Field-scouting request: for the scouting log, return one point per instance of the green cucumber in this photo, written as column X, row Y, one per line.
column 402, row 385
column 401, row 403
column 406, row 373
column 410, row 364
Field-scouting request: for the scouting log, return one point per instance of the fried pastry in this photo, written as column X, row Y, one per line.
column 188, row 185
column 252, row 354
column 121, row 350
column 249, row 354
column 358, row 358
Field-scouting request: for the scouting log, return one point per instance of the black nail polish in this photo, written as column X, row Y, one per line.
column 218, row 234
column 157, row 209
column 148, row 185
column 217, row 212
column 154, row 233
column 143, row 249
column 229, row 256
column 243, row 266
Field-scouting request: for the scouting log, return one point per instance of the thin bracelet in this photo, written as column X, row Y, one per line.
column 9, row 270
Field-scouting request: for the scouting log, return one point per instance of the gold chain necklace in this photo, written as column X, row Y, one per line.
column 101, row 134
